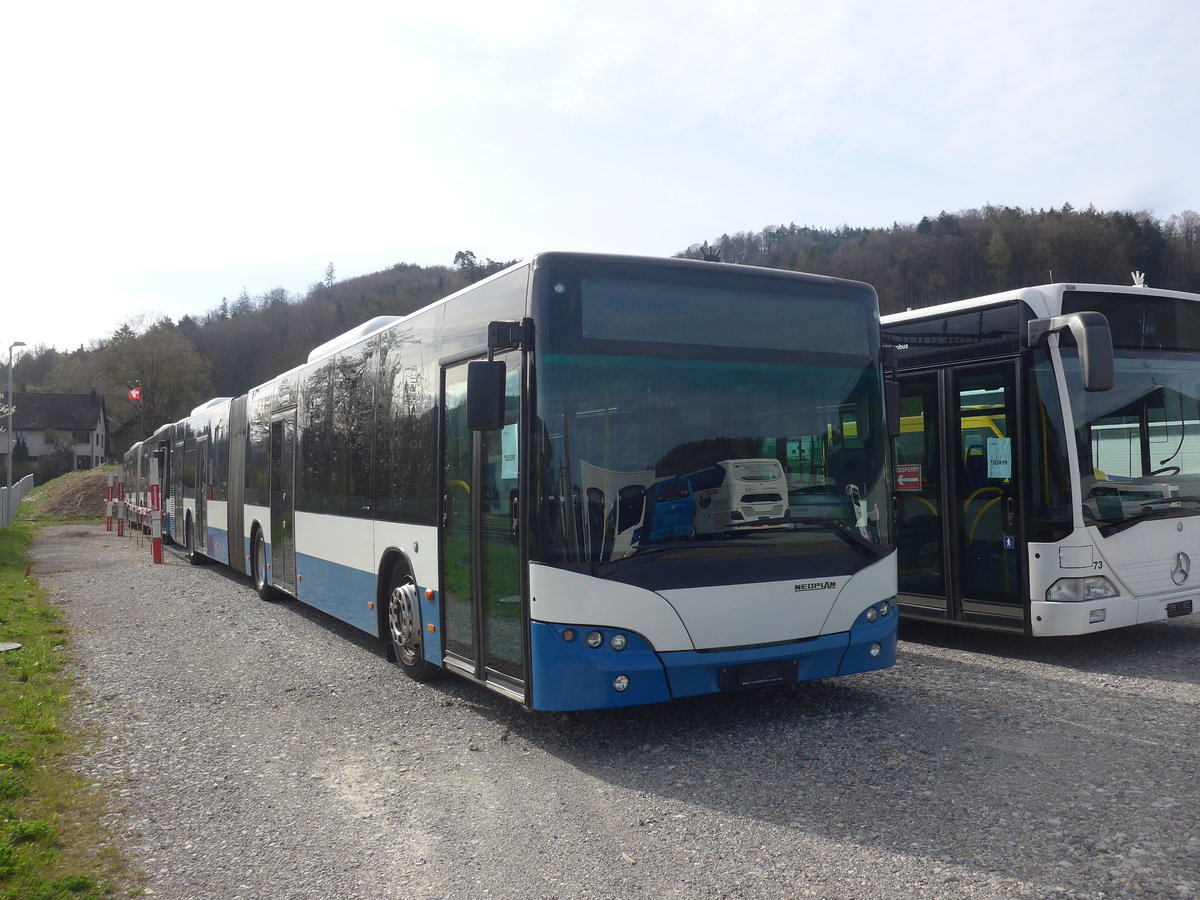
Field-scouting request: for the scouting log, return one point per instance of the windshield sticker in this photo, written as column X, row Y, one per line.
column 999, row 457
column 508, row 442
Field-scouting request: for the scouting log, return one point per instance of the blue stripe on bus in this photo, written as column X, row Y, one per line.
column 569, row 675
column 341, row 591
column 214, row 540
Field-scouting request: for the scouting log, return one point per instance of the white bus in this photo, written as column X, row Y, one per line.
column 470, row 482
column 1029, row 499
column 740, row 494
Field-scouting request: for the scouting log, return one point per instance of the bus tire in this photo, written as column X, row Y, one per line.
column 194, row 556
column 403, row 627
column 258, row 567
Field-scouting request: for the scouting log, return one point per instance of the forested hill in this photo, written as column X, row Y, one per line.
column 976, row 252
column 238, row 344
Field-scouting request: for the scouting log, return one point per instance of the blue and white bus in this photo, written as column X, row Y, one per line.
column 466, row 482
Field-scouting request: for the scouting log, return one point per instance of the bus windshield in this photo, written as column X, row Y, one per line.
column 1139, row 443
column 647, row 453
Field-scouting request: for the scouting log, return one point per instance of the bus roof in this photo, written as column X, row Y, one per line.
column 1043, row 299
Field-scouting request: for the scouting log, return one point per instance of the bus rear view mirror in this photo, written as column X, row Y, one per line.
column 1092, row 337
column 485, row 394
column 891, row 395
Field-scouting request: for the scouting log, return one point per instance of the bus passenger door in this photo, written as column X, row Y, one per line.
column 957, row 497
column 283, row 501
column 919, row 499
column 203, row 475
column 483, row 610
column 987, row 497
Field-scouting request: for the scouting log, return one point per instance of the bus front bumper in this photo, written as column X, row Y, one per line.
column 569, row 674
column 1060, row 619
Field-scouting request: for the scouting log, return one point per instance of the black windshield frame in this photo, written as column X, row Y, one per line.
column 566, row 347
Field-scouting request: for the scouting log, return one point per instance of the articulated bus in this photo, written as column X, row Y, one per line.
column 137, row 474
column 466, row 482
column 1047, row 471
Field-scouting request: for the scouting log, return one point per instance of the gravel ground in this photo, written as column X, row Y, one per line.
column 259, row 750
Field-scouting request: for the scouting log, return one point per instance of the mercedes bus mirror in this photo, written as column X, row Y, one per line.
column 485, row 394
column 1093, row 339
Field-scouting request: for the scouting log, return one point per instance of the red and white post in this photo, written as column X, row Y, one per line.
column 120, row 508
column 108, row 502
column 155, row 513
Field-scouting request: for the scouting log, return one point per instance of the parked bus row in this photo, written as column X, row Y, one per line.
column 595, row 481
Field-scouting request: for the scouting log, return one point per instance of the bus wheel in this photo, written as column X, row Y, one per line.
column 194, row 556
column 404, row 627
column 258, row 567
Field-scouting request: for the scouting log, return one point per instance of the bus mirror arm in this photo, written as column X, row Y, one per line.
column 1092, row 337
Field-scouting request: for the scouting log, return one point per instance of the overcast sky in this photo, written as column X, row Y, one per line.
column 160, row 157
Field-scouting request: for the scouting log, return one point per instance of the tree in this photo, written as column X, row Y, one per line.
column 472, row 270
column 173, row 377
column 1187, row 228
column 999, row 260
column 464, row 261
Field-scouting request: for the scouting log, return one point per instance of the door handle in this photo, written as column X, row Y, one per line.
column 1010, row 506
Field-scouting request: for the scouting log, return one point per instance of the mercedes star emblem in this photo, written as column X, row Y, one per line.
column 1181, row 568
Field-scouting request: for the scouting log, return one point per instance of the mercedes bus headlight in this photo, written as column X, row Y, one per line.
column 1075, row 590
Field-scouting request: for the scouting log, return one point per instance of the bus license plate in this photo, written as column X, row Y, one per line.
column 1179, row 608
column 783, row 671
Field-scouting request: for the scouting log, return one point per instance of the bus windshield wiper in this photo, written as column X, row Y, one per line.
column 838, row 527
column 608, row 566
column 1152, row 509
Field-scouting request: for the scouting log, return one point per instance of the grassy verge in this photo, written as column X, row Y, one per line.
column 51, row 842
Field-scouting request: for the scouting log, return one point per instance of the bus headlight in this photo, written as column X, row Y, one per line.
column 872, row 613
column 594, row 639
column 618, row 642
column 1075, row 590
column 621, row 683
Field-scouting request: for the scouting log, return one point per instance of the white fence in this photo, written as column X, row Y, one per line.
column 8, row 505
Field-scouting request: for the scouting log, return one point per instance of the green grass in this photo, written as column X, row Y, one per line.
column 52, row 845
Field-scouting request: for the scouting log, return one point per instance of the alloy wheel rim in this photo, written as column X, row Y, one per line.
column 402, row 622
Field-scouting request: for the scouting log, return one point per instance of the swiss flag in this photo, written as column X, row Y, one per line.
column 135, row 393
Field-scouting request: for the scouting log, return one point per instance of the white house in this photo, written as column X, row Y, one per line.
column 48, row 423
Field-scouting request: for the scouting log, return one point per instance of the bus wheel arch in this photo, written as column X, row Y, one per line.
column 400, row 619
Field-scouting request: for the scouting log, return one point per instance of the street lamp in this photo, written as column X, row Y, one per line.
column 8, row 473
